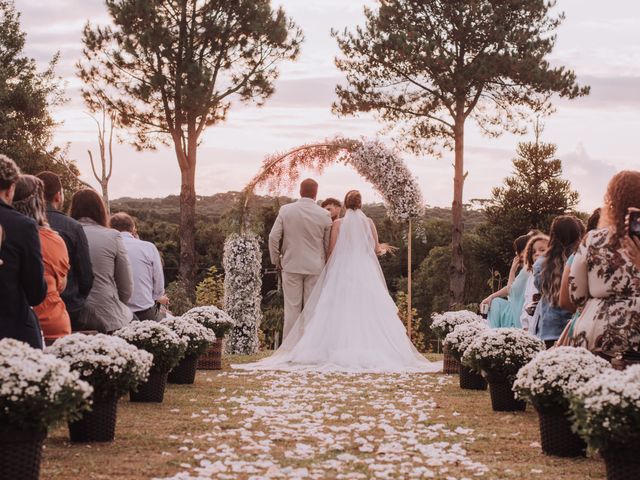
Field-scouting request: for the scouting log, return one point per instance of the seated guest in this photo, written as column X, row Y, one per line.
column 535, row 248
column 22, row 280
column 605, row 282
column 106, row 307
column 566, row 232
column 333, row 206
column 80, row 278
column 565, row 294
column 148, row 277
column 505, row 313
column 52, row 313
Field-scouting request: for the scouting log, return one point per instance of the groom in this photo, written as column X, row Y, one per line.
column 304, row 229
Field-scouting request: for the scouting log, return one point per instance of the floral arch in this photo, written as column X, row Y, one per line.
column 377, row 164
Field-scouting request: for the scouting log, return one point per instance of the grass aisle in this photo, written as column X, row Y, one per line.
column 255, row 425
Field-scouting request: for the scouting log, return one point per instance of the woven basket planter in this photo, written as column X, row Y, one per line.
column 470, row 380
column 20, row 454
column 502, row 397
column 212, row 358
column 185, row 372
column 622, row 461
column 450, row 364
column 556, row 436
column 152, row 390
column 98, row 425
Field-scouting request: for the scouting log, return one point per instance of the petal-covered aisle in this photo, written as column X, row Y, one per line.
column 287, row 425
column 242, row 425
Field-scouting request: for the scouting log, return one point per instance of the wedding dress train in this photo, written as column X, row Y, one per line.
column 350, row 323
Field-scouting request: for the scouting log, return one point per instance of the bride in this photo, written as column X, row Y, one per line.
column 350, row 323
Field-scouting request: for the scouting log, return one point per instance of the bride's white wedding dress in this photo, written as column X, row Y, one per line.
column 350, row 323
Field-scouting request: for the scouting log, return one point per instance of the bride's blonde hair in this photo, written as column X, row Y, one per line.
column 353, row 200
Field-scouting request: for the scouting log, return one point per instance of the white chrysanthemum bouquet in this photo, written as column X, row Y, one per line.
column 197, row 335
column 37, row 389
column 443, row 324
column 108, row 363
column 550, row 380
column 606, row 409
column 212, row 318
column 461, row 337
column 166, row 346
column 501, row 351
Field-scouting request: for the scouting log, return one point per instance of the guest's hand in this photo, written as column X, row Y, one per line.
column 487, row 300
column 163, row 300
column 632, row 247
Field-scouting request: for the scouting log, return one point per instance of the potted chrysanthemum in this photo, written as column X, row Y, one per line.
column 606, row 413
column 167, row 349
column 443, row 324
column 457, row 342
column 217, row 320
column 498, row 353
column 198, row 338
column 36, row 391
column 112, row 366
column 548, row 382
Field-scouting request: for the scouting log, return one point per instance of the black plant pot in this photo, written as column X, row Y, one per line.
column 470, row 380
column 98, row 425
column 185, row 372
column 502, row 397
column 20, row 453
column 152, row 390
column 622, row 461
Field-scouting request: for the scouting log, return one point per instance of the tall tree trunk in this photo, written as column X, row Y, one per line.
column 105, row 194
column 188, row 271
column 456, row 269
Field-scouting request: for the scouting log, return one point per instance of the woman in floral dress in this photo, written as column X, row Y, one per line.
column 605, row 283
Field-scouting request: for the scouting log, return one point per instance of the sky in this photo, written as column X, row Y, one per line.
column 596, row 135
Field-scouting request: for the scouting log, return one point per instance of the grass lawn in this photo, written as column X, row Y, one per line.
column 234, row 424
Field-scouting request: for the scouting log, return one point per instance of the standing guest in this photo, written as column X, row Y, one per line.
column 52, row 313
column 334, row 207
column 536, row 247
column 605, row 281
column 22, row 282
column 80, row 277
column 566, row 232
column 148, row 277
column 505, row 313
column 106, row 307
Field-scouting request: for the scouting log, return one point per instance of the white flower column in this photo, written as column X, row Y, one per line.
column 242, row 263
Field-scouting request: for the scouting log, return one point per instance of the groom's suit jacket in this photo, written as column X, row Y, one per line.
column 304, row 228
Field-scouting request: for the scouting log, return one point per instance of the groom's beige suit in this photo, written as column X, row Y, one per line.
column 304, row 228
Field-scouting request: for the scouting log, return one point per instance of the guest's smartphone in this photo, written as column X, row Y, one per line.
column 634, row 224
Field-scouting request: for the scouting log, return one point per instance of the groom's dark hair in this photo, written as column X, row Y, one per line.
column 309, row 188
column 331, row 201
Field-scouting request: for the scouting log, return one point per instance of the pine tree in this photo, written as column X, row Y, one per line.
column 426, row 66
column 26, row 99
column 169, row 69
column 529, row 199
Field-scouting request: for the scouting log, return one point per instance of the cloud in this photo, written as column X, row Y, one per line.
column 589, row 176
column 619, row 92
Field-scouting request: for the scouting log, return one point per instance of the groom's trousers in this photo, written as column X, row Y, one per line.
column 297, row 288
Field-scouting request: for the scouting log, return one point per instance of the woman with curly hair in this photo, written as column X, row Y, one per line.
column 566, row 232
column 52, row 313
column 605, row 281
